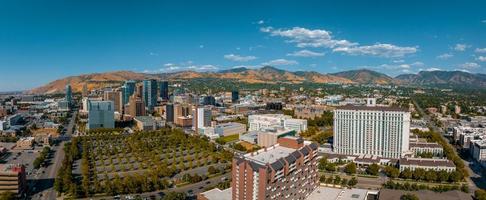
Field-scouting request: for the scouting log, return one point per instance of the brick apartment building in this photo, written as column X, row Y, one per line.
column 13, row 179
column 287, row 170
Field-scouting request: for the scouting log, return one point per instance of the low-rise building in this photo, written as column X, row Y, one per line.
column 478, row 151
column 215, row 194
column 231, row 128
column 427, row 147
column 25, row 143
column 145, row 123
column 426, row 164
column 268, row 137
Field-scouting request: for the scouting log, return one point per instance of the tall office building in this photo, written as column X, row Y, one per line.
column 287, row 170
column 202, row 118
column 235, row 96
column 150, row 93
column 128, row 89
column 169, row 112
column 136, row 107
column 164, row 90
column 115, row 97
column 69, row 94
column 101, row 114
column 371, row 130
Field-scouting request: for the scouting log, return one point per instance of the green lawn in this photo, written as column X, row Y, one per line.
column 230, row 138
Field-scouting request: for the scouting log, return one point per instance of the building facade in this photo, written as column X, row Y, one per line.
column 230, row 128
column 13, row 179
column 372, row 130
column 115, row 97
column 258, row 122
column 287, row 170
column 101, row 114
column 150, row 93
column 164, row 90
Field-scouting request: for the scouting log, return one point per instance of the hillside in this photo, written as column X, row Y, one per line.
column 365, row 76
column 96, row 80
column 444, row 78
column 261, row 75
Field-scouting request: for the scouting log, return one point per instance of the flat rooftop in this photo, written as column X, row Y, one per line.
column 327, row 193
column 372, row 108
column 271, row 155
column 217, row 194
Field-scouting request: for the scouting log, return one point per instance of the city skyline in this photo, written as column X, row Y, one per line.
column 42, row 42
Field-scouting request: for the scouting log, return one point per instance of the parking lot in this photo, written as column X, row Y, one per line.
column 25, row 157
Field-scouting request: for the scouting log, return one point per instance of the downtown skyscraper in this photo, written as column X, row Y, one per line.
column 164, row 90
column 150, row 93
column 127, row 90
column 69, row 94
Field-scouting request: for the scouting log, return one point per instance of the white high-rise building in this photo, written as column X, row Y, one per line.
column 101, row 114
column 203, row 118
column 371, row 130
column 259, row 122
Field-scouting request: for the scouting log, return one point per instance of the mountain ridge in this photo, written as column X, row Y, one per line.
column 272, row 75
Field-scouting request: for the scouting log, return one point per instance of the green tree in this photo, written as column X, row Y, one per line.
column 337, row 180
column 465, row 188
column 373, row 169
column 353, row 181
column 174, row 196
column 419, row 174
column 431, row 175
column 392, row 172
column 406, row 174
column 7, row 196
column 350, row 168
column 480, row 194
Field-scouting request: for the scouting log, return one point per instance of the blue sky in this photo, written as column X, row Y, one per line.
column 41, row 41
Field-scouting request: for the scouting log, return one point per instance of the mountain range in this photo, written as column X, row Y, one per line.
column 273, row 75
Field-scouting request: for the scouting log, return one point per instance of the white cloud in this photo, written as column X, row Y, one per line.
column 279, row 62
column 460, row 47
column 153, row 54
column 481, row 58
column 303, row 37
column 239, row 58
column 469, row 65
column 432, row 69
column 202, row 67
column 306, row 53
column 398, row 61
column 308, row 38
column 201, row 46
column 380, row 50
column 478, row 50
column 417, row 64
column 445, row 56
column 261, row 22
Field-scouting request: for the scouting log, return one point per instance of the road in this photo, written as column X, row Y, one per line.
column 472, row 185
column 45, row 182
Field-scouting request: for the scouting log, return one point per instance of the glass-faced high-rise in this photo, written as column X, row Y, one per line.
column 127, row 89
column 150, row 93
column 69, row 94
column 164, row 90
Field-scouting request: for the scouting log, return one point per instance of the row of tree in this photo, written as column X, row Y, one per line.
column 414, row 187
column 41, row 159
column 337, row 180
